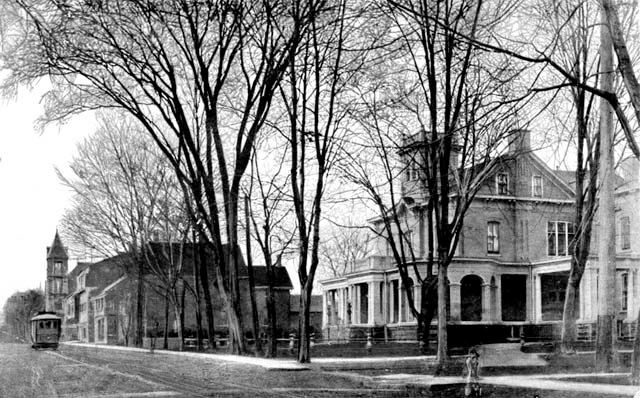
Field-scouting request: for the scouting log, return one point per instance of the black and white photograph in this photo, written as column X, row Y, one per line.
column 320, row 198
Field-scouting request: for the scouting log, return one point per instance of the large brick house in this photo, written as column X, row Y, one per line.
column 511, row 266
column 97, row 300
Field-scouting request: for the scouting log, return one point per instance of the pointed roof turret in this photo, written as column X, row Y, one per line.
column 57, row 250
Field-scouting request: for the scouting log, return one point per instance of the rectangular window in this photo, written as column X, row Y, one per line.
column 493, row 237
column 624, row 291
column 502, row 184
column 625, row 233
column 57, row 267
column 412, row 171
column 57, row 286
column 559, row 238
column 536, row 186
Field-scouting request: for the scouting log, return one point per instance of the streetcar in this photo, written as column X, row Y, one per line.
column 45, row 330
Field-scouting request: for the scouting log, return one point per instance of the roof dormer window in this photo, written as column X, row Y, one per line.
column 82, row 278
column 502, row 184
column 536, row 186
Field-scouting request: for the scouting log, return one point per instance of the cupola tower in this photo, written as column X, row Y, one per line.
column 56, row 285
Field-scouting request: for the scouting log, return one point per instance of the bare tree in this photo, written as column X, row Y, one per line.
column 571, row 26
column 165, row 262
column 272, row 227
column 341, row 248
column 198, row 76
column 18, row 310
column 317, row 102
column 462, row 102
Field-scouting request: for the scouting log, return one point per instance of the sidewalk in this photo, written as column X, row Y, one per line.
column 537, row 382
column 266, row 363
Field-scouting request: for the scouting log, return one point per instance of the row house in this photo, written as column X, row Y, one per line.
column 510, row 270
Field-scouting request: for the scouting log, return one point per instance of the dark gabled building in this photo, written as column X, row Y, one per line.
column 98, row 304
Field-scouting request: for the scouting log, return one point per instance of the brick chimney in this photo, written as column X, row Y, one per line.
column 519, row 142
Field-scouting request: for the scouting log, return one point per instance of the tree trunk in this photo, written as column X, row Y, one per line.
column 442, row 353
column 165, row 340
column 272, row 350
column 179, row 313
column 252, row 285
column 198, row 325
column 139, row 304
column 569, row 315
column 304, row 354
column 204, row 281
column 196, row 282
column 428, row 305
column 605, row 346
column 237, row 342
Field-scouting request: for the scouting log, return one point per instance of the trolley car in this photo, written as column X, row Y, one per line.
column 45, row 330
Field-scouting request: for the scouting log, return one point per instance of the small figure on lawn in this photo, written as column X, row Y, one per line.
column 154, row 335
column 472, row 388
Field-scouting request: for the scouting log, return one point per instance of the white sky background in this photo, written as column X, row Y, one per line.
column 32, row 200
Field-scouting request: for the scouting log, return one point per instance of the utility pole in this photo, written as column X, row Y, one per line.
column 606, row 336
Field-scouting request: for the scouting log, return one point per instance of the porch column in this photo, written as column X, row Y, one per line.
column 334, row 307
column 400, row 301
column 325, row 312
column 350, row 308
column 373, row 302
column 392, row 302
column 584, row 288
column 355, row 304
column 486, row 302
column 385, row 303
column 454, row 293
column 630, row 294
column 538, row 298
column 635, row 294
column 594, row 294
column 498, row 297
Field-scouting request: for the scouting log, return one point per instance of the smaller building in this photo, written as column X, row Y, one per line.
column 315, row 314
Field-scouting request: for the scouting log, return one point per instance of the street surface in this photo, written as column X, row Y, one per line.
column 97, row 373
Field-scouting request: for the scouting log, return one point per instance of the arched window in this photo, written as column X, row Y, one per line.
column 471, row 298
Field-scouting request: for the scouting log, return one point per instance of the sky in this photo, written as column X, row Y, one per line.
column 32, row 200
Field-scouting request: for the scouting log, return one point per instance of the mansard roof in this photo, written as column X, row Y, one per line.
column 57, row 250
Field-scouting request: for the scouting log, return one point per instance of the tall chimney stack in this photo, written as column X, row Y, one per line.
column 519, row 142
